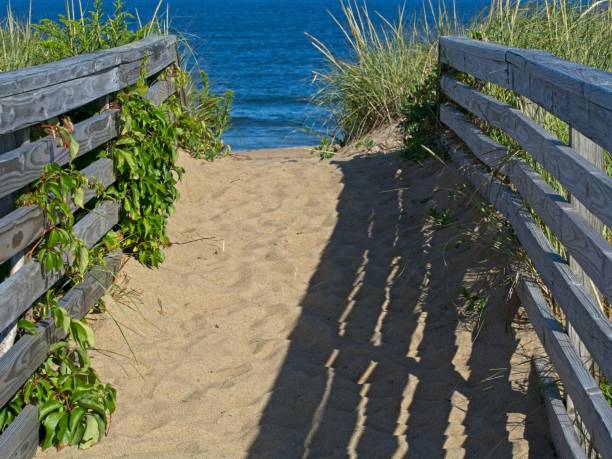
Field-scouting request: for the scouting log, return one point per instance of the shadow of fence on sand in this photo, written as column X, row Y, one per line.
column 379, row 364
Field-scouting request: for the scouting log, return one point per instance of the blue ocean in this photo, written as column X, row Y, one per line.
column 260, row 49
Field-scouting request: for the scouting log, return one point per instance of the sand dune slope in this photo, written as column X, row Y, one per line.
column 308, row 309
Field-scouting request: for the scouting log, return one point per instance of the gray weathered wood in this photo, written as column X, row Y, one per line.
column 25, row 164
column 38, row 105
column 19, row 291
column 9, row 142
column 593, row 153
column 561, row 426
column 484, row 60
column 30, row 351
column 161, row 90
column 43, row 76
column 579, row 95
column 591, row 324
column 589, row 184
column 25, row 225
column 592, row 406
column 583, row 241
column 20, row 439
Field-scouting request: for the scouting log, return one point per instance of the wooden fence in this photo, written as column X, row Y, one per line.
column 578, row 341
column 28, row 98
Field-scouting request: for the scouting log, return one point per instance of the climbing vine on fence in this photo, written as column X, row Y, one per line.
column 75, row 406
column 146, row 163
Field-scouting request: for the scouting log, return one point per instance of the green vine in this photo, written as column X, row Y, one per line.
column 55, row 193
column 75, row 407
column 146, row 160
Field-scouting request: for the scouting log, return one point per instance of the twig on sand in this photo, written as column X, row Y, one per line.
column 393, row 189
column 200, row 239
column 196, row 240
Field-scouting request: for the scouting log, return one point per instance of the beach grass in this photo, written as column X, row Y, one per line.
column 389, row 76
column 79, row 30
column 389, row 61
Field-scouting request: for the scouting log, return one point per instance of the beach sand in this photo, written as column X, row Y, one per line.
column 308, row 308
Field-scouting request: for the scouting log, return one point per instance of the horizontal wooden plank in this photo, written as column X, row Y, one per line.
column 561, row 426
column 30, row 351
column 591, row 404
column 161, row 90
column 590, row 323
column 38, row 105
column 25, row 225
column 43, row 76
column 18, row 292
column 582, row 240
column 593, row 84
column 484, row 60
column 577, row 94
column 25, row 164
column 589, row 184
column 20, row 439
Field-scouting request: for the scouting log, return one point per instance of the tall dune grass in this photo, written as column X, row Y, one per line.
column 77, row 31
column 389, row 62
column 80, row 30
column 18, row 41
column 390, row 74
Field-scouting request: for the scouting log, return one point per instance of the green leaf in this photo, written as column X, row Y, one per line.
column 82, row 333
column 61, row 317
column 77, row 434
column 101, row 420
column 50, row 423
column 92, row 404
column 54, row 238
column 78, row 196
column 63, row 435
column 27, row 325
column 92, row 433
column 75, row 419
column 3, row 417
column 83, row 260
column 73, row 148
column 50, row 406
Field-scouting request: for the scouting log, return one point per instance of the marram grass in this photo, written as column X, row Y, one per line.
column 391, row 70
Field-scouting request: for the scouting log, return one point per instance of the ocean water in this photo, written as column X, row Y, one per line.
column 261, row 51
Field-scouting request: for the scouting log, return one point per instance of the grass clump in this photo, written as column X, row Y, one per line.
column 78, row 31
column 389, row 66
column 390, row 75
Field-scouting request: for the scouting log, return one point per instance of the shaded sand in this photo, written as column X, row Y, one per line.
column 307, row 309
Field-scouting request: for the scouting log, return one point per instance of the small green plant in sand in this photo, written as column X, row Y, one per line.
column 440, row 218
column 367, row 143
column 325, row 149
column 474, row 303
column 203, row 118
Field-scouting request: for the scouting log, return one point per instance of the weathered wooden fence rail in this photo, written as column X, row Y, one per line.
column 581, row 97
column 28, row 98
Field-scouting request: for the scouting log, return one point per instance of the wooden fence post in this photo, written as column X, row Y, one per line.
column 592, row 152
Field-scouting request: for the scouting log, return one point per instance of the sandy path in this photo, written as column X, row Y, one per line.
column 318, row 318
